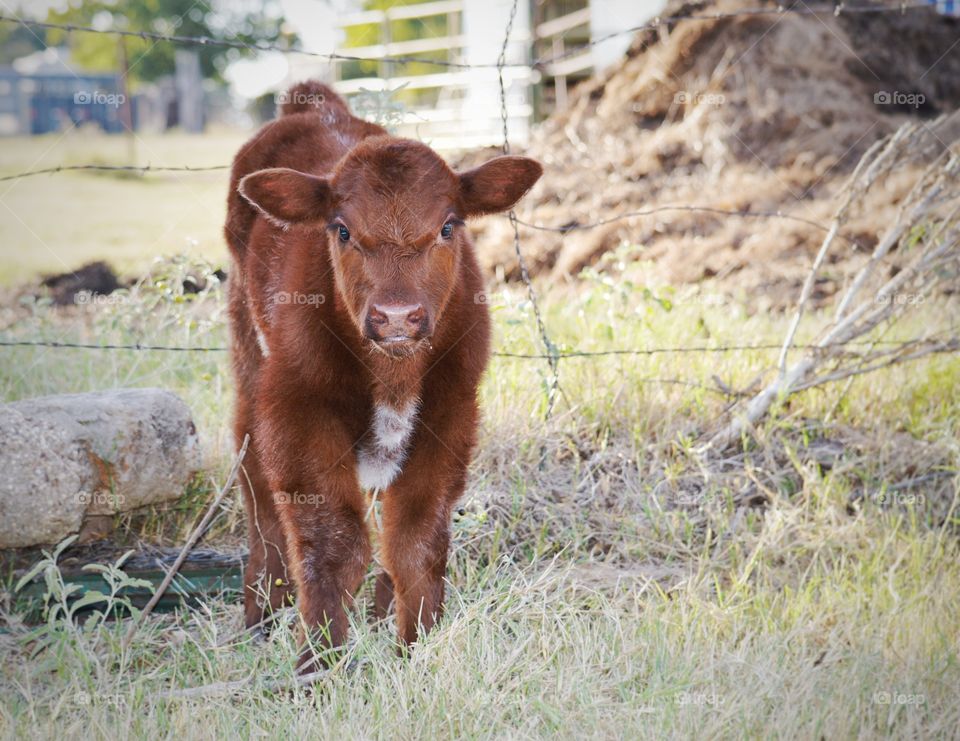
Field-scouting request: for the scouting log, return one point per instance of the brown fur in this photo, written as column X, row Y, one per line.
column 334, row 362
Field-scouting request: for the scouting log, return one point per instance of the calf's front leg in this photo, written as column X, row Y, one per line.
column 417, row 512
column 322, row 512
column 329, row 551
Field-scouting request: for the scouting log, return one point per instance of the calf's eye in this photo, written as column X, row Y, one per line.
column 343, row 233
column 447, row 231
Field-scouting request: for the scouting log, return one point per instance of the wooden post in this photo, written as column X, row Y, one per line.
column 560, row 81
column 126, row 107
column 386, row 67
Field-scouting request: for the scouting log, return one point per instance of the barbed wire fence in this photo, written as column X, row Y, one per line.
column 552, row 353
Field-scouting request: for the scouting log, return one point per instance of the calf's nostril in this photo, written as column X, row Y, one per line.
column 377, row 317
column 416, row 316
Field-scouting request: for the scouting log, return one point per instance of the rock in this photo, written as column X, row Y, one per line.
column 69, row 461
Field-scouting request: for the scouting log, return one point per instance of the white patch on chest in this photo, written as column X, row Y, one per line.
column 380, row 461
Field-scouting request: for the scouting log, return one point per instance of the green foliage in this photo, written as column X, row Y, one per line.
column 63, row 602
column 18, row 41
column 242, row 22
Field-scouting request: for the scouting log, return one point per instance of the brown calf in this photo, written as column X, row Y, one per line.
column 358, row 345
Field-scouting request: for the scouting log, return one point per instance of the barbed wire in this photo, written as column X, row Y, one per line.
column 554, row 379
column 112, row 168
column 719, row 388
column 835, row 9
column 575, row 226
column 564, row 229
column 561, row 229
column 948, row 344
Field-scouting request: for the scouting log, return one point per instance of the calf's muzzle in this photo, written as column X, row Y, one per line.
column 396, row 323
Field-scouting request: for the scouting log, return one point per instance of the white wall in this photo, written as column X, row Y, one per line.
column 484, row 23
column 610, row 16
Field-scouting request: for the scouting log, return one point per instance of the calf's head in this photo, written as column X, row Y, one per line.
column 393, row 215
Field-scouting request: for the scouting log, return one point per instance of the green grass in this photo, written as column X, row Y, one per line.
column 604, row 583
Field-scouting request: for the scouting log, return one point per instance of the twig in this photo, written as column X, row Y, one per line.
column 947, row 347
column 855, row 189
column 191, row 541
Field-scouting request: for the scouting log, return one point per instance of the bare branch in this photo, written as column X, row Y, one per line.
column 921, row 213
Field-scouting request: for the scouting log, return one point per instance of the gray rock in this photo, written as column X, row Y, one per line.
column 70, row 459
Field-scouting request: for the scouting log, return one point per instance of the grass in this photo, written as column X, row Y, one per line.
column 605, row 580
column 601, row 585
column 861, row 643
column 47, row 224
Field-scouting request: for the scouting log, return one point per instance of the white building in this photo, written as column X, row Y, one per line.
column 452, row 107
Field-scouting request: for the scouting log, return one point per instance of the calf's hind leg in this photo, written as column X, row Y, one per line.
column 266, row 583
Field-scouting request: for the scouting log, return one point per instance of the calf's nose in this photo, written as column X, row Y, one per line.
column 385, row 321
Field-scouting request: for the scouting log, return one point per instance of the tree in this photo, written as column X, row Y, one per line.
column 243, row 21
column 18, row 41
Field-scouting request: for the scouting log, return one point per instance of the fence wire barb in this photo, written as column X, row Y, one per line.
column 553, row 361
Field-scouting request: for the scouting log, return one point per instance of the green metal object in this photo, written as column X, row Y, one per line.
column 205, row 575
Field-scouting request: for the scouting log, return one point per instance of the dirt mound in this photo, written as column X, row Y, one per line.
column 94, row 278
column 759, row 114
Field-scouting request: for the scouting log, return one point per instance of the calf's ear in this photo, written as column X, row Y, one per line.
column 498, row 184
column 287, row 196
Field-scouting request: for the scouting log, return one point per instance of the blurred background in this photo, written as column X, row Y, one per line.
column 49, row 80
column 82, row 97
